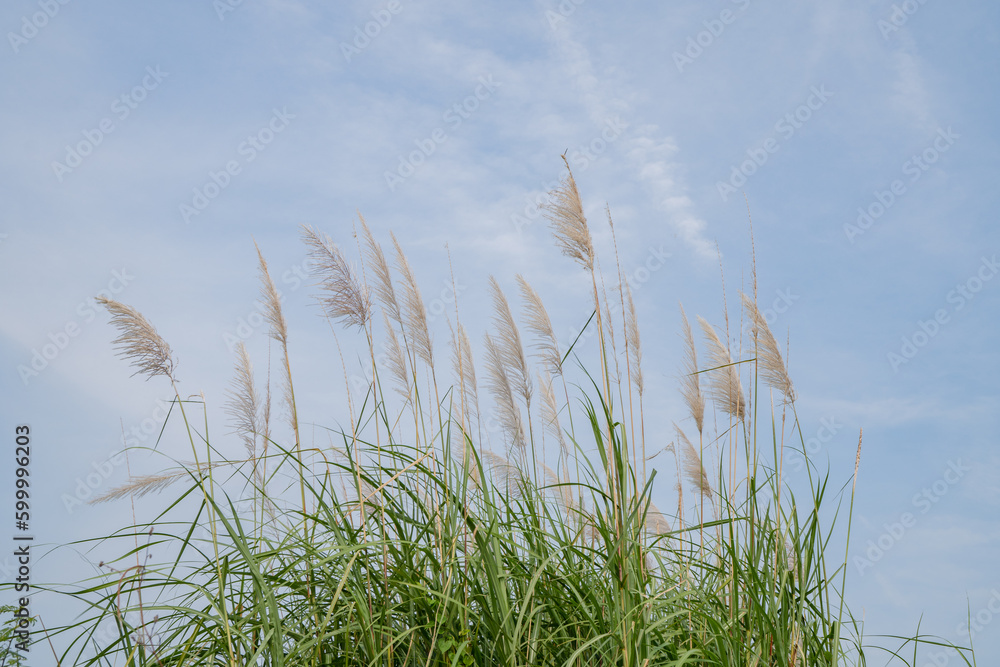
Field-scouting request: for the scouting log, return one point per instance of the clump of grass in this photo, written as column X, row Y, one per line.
column 414, row 539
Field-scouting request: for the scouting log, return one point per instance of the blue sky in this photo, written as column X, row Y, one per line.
column 147, row 146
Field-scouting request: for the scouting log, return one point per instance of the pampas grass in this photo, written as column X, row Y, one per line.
column 415, row 314
column 424, row 545
column 772, row 366
column 723, row 379
column 138, row 342
column 538, row 322
column 345, row 299
column 569, row 225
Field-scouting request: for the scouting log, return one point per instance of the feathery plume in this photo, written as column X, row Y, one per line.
column 724, row 380
column 466, row 456
column 550, row 412
column 416, row 314
column 690, row 383
column 656, row 522
column 540, row 324
column 396, row 359
column 346, row 299
column 244, row 405
column 569, row 225
column 634, row 341
column 272, row 303
column 564, row 493
column 465, row 371
column 384, row 290
column 142, row 485
column 138, row 341
column 693, row 468
column 499, row 384
column 509, row 338
column 769, row 359
column 506, row 476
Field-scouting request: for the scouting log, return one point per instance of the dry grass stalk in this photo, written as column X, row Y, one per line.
column 346, row 300
column 396, row 360
column 656, row 522
column 142, row 485
column 465, row 372
column 569, row 225
column 138, row 341
column 690, row 383
column 724, row 380
column 384, row 290
column 540, row 324
column 634, row 341
column 503, row 393
column 244, row 404
column 504, row 475
column 509, row 339
column 550, row 413
column 693, row 468
column 564, row 493
column 416, row 314
column 769, row 361
column 272, row 304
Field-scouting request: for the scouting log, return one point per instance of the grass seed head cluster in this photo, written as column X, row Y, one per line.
column 413, row 537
